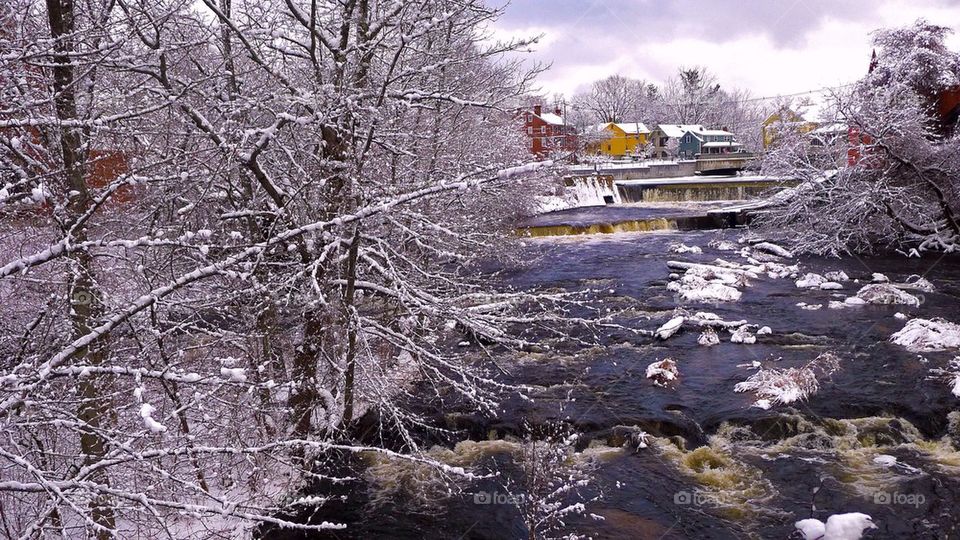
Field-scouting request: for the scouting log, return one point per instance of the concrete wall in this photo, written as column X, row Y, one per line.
column 730, row 191
column 643, row 172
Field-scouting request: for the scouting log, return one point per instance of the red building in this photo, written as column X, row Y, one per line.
column 548, row 132
column 946, row 119
column 948, row 109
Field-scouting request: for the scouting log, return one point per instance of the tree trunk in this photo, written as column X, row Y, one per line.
column 85, row 303
column 349, row 311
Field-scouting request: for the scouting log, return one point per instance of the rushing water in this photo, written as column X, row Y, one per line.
column 716, row 467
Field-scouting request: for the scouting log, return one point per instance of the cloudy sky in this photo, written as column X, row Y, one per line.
column 771, row 47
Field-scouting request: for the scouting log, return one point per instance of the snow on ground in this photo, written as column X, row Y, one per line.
column 923, row 335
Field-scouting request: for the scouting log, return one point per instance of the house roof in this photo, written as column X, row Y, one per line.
column 716, row 132
column 721, row 144
column 831, row 128
column 633, row 128
column 677, row 130
column 630, row 128
column 551, row 118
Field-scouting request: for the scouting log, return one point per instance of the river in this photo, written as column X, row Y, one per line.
column 716, row 466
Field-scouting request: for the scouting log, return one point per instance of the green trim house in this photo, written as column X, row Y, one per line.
column 694, row 143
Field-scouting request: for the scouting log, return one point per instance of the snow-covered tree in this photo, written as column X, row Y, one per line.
column 901, row 186
column 231, row 229
column 617, row 99
column 695, row 96
column 555, row 484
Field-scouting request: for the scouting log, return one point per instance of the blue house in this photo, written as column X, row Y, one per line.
column 706, row 141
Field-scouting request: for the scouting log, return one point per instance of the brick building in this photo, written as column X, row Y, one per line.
column 548, row 132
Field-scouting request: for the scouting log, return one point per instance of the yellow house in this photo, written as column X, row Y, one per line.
column 784, row 118
column 619, row 139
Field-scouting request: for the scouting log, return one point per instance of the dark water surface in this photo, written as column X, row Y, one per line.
column 716, row 467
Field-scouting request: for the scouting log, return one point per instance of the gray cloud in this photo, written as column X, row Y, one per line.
column 639, row 38
column 784, row 22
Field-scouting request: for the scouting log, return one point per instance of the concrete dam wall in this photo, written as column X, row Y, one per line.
column 639, row 171
column 694, row 191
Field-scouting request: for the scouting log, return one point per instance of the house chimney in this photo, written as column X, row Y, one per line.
column 537, row 110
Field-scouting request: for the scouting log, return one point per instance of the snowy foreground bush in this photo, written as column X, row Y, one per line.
column 774, row 386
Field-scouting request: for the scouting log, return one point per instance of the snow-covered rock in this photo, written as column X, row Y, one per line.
column 714, row 275
column 703, row 291
column 773, row 249
column 916, row 282
column 683, row 248
column 923, row 335
column 830, row 286
column 743, row 335
column 708, row 338
column 885, row 460
column 854, row 301
column 810, row 281
column 713, row 292
column 764, row 331
column 839, row 275
column 723, row 245
column 838, row 527
column 670, row 328
column 663, row 372
column 900, row 316
column 879, row 278
column 884, row 293
column 707, row 319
